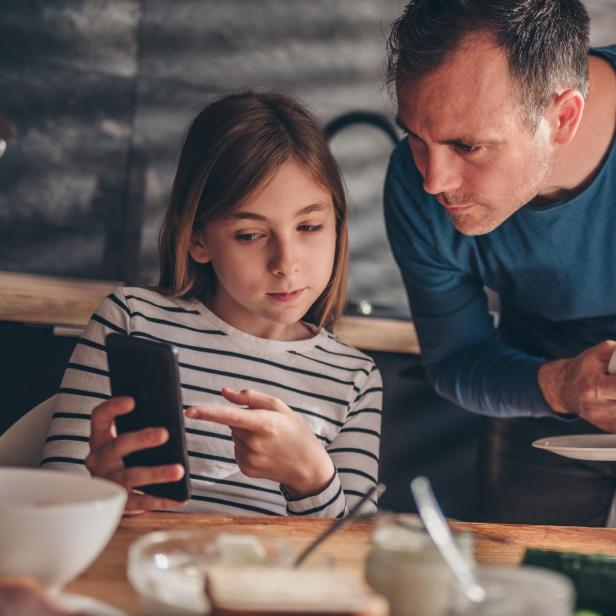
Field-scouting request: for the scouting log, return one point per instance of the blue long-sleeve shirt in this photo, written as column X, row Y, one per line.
column 554, row 268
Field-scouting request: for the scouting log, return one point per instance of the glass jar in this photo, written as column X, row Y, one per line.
column 406, row 568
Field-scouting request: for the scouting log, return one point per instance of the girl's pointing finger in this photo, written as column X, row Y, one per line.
column 254, row 399
column 226, row 415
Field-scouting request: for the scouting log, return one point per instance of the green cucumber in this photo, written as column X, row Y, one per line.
column 593, row 575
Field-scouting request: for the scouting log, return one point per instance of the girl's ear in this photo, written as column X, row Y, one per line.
column 197, row 248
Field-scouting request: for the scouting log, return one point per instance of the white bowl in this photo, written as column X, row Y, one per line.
column 54, row 524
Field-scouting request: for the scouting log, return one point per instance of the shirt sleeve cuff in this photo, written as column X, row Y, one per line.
column 329, row 502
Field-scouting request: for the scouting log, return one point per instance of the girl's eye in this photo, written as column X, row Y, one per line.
column 310, row 228
column 248, row 237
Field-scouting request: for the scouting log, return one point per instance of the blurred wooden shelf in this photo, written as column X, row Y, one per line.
column 375, row 334
column 69, row 302
column 50, row 300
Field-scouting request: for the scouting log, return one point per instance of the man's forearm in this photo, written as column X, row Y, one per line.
column 491, row 379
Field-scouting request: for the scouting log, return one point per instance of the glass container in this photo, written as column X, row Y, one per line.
column 405, row 566
column 168, row 568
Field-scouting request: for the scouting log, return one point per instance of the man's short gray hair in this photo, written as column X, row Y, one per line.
column 545, row 41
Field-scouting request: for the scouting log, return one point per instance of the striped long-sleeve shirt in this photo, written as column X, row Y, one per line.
column 334, row 388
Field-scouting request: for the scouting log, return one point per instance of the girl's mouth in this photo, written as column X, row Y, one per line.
column 286, row 297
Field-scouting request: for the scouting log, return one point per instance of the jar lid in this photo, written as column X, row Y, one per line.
column 398, row 539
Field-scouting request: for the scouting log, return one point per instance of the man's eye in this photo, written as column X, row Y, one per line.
column 310, row 228
column 248, row 237
column 468, row 149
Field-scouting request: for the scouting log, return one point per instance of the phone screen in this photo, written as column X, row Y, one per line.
column 148, row 372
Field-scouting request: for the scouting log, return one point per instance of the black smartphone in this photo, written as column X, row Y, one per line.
column 148, row 372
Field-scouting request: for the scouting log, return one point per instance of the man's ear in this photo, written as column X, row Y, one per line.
column 197, row 248
column 566, row 114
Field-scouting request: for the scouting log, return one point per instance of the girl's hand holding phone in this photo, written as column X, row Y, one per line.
column 271, row 441
column 107, row 450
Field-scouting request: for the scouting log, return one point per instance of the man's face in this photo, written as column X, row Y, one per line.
column 468, row 139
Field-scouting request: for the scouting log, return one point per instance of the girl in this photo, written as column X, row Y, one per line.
column 253, row 267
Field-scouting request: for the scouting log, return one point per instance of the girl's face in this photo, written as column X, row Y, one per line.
column 273, row 256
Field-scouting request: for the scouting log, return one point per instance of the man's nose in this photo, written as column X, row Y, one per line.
column 440, row 174
column 284, row 258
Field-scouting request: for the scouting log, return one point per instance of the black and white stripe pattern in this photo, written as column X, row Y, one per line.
column 335, row 389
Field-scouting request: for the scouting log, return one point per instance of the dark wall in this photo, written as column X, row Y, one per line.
column 33, row 360
column 101, row 93
column 423, row 434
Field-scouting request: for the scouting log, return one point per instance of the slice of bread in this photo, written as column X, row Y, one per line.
column 276, row 591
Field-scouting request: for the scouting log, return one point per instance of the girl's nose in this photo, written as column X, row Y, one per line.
column 284, row 259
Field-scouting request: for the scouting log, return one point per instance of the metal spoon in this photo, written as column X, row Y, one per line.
column 339, row 523
column 439, row 530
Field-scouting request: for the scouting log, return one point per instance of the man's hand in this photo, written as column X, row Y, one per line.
column 581, row 385
column 107, row 450
column 271, row 441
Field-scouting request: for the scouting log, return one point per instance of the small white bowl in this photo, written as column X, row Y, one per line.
column 54, row 524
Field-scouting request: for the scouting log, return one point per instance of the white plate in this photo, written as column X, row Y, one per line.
column 597, row 447
column 92, row 607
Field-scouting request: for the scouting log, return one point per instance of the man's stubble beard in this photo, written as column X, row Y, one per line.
column 486, row 216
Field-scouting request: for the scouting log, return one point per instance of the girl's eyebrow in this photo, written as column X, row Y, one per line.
column 313, row 207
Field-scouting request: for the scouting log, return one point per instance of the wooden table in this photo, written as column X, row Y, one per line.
column 495, row 543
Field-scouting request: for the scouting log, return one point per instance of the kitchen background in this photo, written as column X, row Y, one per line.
column 100, row 94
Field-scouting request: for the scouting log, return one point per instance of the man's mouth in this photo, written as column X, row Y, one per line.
column 459, row 207
column 455, row 206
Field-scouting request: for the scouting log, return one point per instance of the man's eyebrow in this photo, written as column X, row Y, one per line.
column 313, row 207
column 468, row 140
column 456, row 141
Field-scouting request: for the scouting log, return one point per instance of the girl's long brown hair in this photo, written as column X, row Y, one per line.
column 232, row 146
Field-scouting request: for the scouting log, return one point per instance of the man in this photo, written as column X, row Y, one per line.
column 507, row 180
